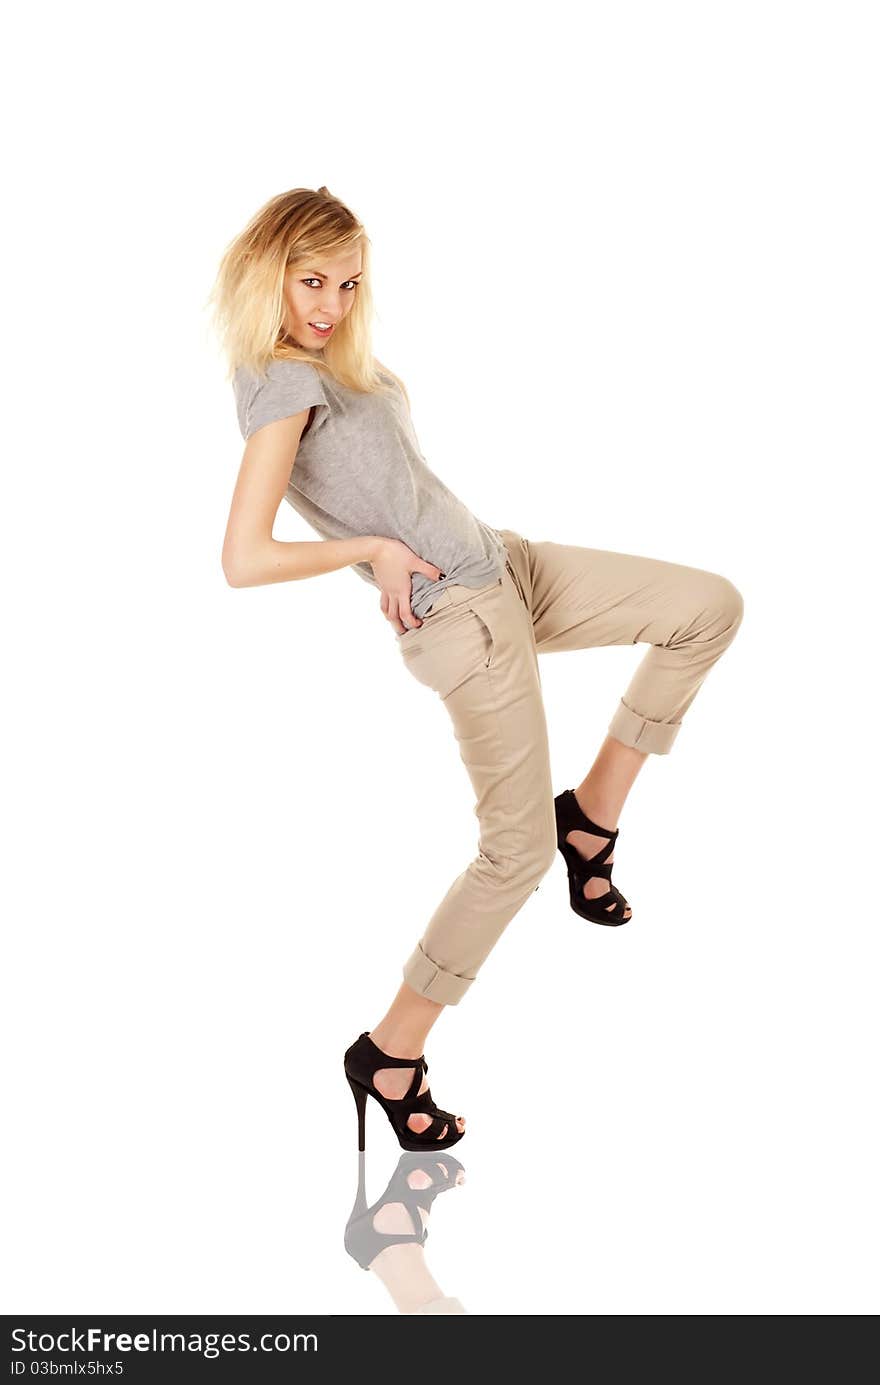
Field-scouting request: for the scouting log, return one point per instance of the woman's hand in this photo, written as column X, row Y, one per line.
column 393, row 566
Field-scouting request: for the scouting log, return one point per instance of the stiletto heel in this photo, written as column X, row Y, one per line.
column 570, row 817
column 360, row 1100
column 362, row 1061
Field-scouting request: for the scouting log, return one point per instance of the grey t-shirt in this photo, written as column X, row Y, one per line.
column 359, row 470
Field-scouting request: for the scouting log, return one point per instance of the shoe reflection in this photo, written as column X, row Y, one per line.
column 388, row 1236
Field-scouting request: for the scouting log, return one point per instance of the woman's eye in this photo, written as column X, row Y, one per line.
column 311, row 281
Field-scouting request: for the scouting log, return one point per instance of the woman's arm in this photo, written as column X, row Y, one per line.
column 251, row 556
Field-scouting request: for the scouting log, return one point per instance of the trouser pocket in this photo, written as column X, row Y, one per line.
column 516, row 582
column 456, row 645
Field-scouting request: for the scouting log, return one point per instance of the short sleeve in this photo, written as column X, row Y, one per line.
column 286, row 388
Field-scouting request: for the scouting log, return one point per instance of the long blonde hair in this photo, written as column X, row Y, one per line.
column 247, row 297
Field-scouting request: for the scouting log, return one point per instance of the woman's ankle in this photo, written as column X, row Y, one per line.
column 600, row 808
column 403, row 1029
column 398, row 1041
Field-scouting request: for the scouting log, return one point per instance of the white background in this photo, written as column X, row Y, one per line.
column 626, row 261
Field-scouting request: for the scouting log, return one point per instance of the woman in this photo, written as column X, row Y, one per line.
column 328, row 428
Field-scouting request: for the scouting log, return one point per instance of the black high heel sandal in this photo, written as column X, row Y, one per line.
column 362, row 1241
column 570, row 817
column 362, row 1060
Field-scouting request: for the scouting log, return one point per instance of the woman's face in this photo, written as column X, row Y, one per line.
column 320, row 291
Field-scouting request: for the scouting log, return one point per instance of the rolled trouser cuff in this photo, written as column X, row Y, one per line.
column 653, row 737
column 431, row 981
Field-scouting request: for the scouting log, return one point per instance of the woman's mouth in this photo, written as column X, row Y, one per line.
column 321, row 331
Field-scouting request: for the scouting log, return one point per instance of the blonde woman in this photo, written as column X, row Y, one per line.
column 328, row 428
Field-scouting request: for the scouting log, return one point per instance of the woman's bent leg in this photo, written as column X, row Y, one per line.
column 584, row 597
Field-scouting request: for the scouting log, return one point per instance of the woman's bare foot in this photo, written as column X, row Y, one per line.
column 601, row 797
column 400, row 1034
column 587, row 845
column 395, row 1083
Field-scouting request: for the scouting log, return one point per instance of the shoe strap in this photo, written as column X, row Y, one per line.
column 593, row 865
column 423, row 1105
column 432, row 1134
column 378, row 1060
column 614, row 895
column 414, row 1103
column 387, row 1060
column 572, row 818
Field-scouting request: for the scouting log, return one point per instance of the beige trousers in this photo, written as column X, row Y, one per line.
column 477, row 649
